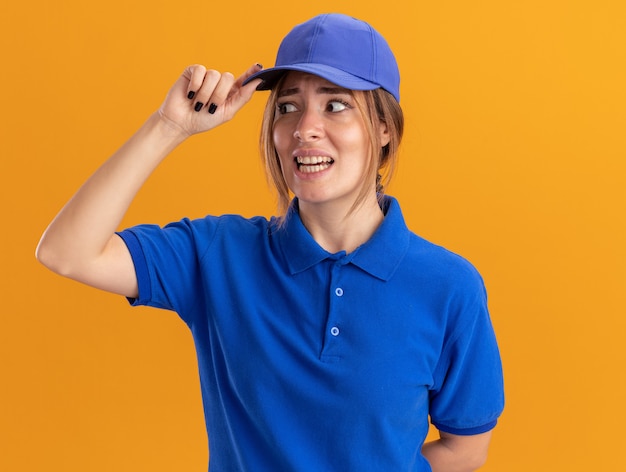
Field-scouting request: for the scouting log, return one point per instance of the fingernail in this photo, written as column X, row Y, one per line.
column 198, row 106
column 212, row 108
column 191, row 94
column 260, row 66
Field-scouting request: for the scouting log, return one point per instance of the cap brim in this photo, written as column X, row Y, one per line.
column 338, row 77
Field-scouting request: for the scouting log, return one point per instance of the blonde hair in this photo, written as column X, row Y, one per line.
column 376, row 106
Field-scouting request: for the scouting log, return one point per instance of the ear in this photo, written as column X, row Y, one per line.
column 383, row 134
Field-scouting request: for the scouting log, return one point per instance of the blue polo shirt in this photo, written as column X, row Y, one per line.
column 312, row 361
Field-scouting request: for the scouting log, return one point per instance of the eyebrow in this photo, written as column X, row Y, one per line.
column 320, row 90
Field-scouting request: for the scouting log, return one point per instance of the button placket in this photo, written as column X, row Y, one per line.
column 338, row 293
column 333, row 322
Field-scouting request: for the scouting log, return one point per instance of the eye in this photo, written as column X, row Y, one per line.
column 284, row 108
column 335, row 106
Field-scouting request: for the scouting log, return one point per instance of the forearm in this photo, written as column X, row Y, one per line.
column 80, row 243
column 452, row 453
column 83, row 228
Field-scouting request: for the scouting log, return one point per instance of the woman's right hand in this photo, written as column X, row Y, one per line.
column 80, row 242
column 202, row 99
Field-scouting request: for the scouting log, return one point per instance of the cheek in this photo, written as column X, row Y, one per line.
column 356, row 139
column 281, row 138
column 281, row 144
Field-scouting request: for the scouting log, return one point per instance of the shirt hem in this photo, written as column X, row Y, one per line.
column 467, row 431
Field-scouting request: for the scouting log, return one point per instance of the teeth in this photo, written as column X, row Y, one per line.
column 309, row 169
column 311, row 164
column 308, row 160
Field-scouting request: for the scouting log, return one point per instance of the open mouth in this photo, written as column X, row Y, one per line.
column 311, row 164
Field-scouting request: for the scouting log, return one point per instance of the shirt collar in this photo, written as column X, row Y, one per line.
column 379, row 256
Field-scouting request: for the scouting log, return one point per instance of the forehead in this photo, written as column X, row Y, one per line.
column 298, row 80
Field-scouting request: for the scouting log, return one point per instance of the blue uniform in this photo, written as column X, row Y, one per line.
column 312, row 361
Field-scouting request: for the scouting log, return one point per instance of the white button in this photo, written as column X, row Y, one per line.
column 339, row 292
column 334, row 331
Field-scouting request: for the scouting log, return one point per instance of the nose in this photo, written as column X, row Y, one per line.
column 310, row 127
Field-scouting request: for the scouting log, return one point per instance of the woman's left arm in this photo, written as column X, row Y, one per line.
column 455, row 453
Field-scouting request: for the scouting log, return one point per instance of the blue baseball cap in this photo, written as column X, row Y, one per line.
column 341, row 49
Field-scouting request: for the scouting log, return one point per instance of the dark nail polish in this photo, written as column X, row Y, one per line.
column 191, row 94
column 260, row 66
column 198, row 106
column 212, row 108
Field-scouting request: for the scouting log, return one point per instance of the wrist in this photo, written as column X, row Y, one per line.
column 168, row 129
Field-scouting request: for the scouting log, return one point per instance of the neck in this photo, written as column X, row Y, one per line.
column 337, row 228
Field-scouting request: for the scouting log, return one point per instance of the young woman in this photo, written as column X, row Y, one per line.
column 326, row 336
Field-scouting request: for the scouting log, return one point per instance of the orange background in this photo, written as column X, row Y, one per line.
column 515, row 157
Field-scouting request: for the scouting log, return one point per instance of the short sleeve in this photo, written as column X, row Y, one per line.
column 167, row 262
column 468, row 395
